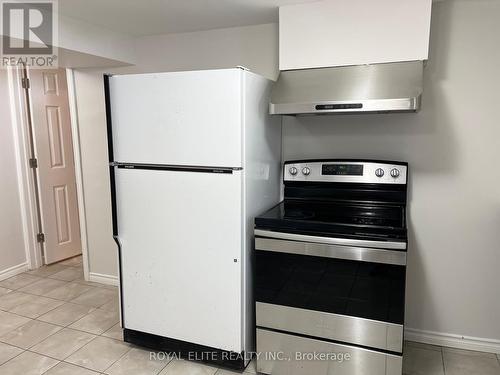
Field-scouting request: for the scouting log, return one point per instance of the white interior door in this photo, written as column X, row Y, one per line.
column 56, row 169
column 178, row 118
column 181, row 241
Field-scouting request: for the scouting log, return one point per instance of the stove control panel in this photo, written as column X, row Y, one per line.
column 353, row 171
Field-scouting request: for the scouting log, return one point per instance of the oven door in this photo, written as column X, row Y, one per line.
column 340, row 293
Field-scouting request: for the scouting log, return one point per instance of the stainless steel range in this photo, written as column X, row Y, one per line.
column 331, row 270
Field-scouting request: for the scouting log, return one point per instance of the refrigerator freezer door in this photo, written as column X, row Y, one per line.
column 179, row 118
column 181, row 241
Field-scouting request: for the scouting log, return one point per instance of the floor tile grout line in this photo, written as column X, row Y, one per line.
column 46, row 371
column 76, row 281
column 74, row 364
column 170, row 360
column 63, row 361
column 32, row 294
column 27, row 317
column 69, row 355
column 124, row 354
column 101, row 372
column 97, row 334
column 65, row 300
column 42, row 295
column 24, row 351
column 55, row 299
column 15, row 346
column 442, row 360
column 23, row 285
column 80, row 330
column 62, row 327
column 80, row 348
column 59, row 325
column 55, row 278
column 28, row 349
column 32, row 272
column 132, row 347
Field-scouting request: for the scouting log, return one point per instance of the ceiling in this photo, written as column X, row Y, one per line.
column 151, row 17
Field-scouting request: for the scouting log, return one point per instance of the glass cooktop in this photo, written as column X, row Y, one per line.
column 345, row 219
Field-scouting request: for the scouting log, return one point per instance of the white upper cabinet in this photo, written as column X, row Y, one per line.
column 353, row 32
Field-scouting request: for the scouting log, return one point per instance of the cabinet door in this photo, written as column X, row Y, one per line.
column 179, row 118
column 353, row 32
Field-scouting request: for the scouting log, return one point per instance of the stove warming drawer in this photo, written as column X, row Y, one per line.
column 336, row 327
column 284, row 354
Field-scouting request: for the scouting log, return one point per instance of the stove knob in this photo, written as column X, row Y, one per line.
column 379, row 172
column 395, row 172
column 293, row 171
column 306, row 171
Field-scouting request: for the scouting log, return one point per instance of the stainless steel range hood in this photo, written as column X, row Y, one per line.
column 392, row 87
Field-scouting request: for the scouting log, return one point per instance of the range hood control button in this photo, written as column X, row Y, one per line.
column 293, row 171
column 306, row 171
column 395, row 172
column 379, row 172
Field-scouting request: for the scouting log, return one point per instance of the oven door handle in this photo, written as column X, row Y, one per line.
column 363, row 254
column 331, row 241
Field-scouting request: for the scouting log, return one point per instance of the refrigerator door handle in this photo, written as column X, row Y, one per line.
column 119, row 245
column 114, row 217
column 177, row 168
column 116, row 239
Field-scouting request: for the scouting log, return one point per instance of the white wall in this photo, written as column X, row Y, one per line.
column 453, row 277
column 81, row 44
column 102, row 252
column 12, row 246
column 452, row 146
column 93, row 40
column 255, row 47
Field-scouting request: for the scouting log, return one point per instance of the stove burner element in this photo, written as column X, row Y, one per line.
column 298, row 214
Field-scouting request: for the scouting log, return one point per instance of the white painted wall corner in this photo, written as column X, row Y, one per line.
column 104, row 279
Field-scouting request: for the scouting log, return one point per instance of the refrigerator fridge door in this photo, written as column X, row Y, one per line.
column 179, row 118
column 181, row 241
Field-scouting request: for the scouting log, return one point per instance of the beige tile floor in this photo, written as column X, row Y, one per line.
column 54, row 322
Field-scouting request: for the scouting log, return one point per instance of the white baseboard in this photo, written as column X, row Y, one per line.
column 453, row 341
column 13, row 271
column 103, row 279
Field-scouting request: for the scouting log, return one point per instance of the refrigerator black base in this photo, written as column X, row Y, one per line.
column 186, row 350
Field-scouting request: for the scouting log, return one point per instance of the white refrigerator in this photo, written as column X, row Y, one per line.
column 194, row 156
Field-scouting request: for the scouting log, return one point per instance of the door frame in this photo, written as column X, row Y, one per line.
column 20, row 112
column 75, row 136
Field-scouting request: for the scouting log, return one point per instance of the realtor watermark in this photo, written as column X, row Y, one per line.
column 215, row 356
column 29, row 33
